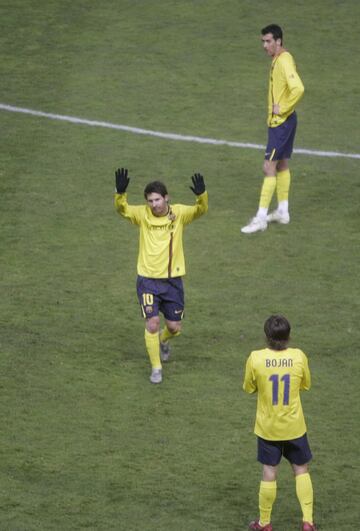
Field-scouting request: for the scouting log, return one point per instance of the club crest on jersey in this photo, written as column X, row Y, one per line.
column 148, row 309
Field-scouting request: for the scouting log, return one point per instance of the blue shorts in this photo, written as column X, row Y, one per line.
column 296, row 451
column 165, row 295
column 281, row 139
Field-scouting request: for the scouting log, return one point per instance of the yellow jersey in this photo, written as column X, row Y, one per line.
column 161, row 253
column 278, row 376
column 285, row 88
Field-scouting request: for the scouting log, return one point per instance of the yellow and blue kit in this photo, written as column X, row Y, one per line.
column 161, row 253
column 278, row 377
column 285, row 88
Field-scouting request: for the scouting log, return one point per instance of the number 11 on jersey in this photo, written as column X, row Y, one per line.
column 274, row 378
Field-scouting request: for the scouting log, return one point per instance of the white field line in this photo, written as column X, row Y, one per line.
column 169, row 136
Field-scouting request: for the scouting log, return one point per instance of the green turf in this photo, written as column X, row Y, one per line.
column 86, row 441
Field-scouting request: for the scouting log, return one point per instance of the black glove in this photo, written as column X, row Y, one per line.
column 199, row 185
column 122, row 180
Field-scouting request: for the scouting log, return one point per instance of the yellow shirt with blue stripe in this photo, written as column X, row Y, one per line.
column 285, row 88
column 278, row 376
column 161, row 253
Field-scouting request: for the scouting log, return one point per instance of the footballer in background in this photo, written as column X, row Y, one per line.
column 285, row 91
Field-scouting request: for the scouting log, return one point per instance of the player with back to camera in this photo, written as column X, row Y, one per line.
column 278, row 374
column 161, row 263
column 285, row 91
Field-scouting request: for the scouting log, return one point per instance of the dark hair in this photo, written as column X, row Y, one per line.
column 275, row 30
column 277, row 329
column 156, row 187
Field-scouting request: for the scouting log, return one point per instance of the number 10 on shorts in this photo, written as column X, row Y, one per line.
column 148, row 299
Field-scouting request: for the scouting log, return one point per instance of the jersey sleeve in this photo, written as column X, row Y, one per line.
column 189, row 213
column 295, row 85
column 306, row 380
column 132, row 213
column 249, row 385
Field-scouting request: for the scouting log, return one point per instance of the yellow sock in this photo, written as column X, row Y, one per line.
column 304, row 492
column 283, row 180
column 267, row 191
column 267, row 496
column 166, row 335
column 153, row 349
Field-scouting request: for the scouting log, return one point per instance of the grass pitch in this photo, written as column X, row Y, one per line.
column 86, row 441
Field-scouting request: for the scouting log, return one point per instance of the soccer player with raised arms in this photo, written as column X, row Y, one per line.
column 278, row 374
column 161, row 263
column 285, row 91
